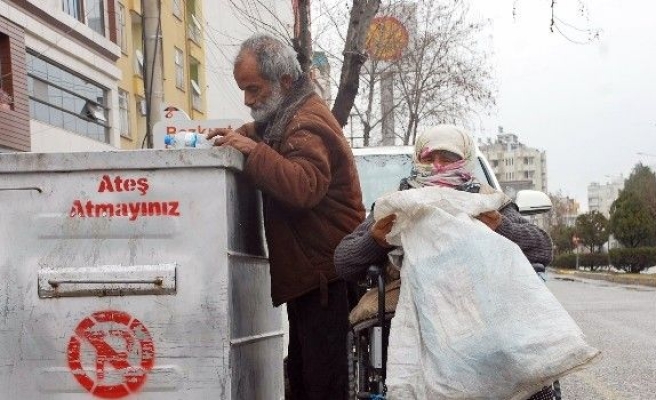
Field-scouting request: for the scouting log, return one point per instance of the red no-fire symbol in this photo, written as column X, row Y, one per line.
column 116, row 350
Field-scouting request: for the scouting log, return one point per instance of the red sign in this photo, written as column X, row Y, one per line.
column 386, row 39
column 110, row 354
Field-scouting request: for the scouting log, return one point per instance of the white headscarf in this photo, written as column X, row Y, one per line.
column 449, row 138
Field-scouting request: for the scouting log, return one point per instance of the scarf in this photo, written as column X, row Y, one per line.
column 451, row 175
column 456, row 174
column 299, row 92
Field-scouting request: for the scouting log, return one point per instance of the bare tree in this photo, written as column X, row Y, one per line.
column 366, row 111
column 455, row 83
column 261, row 16
column 443, row 76
column 302, row 40
column 579, row 31
column 361, row 14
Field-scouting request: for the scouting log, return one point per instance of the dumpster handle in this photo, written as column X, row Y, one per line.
column 30, row 188
column 256, row 338
column 55, row 283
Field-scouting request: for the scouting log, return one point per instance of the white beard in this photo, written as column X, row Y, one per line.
column 264, row 111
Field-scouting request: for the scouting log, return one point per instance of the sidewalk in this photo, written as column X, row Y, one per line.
column 628, row 279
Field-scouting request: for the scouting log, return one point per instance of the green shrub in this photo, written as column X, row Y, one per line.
column 586, row 260
column 566, row 261
column 633, row 260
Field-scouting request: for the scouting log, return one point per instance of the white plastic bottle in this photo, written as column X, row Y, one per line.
column 202, row 142
column 184, row 140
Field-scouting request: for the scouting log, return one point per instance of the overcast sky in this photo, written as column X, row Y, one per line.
column 591, row 107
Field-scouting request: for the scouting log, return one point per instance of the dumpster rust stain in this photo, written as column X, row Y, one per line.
column 115, row 339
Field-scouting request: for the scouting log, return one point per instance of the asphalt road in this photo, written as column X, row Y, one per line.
column 619, row 320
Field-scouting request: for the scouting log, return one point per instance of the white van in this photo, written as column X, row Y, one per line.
column 381, row 169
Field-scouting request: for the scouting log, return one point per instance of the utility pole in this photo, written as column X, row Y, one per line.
column 387, row 107
column 153, row 77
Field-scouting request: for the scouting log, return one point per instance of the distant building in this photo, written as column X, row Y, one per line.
column 517, row 166
column 602, row 196
column 564, row 211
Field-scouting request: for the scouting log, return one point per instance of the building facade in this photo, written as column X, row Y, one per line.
column 602, row 196
column 517, row 166
column 183, row 65
column 59, row 75
column 226, row 24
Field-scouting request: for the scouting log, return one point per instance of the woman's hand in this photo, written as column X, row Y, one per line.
column 491, row 218
column 381, row 228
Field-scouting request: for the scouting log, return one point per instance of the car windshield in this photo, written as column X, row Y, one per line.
column 381, row 173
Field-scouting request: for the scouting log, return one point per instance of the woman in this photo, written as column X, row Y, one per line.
column 444, row 156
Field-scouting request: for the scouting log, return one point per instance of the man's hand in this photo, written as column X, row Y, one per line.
column 228, row 137
column 491, row 218
column 381, row 228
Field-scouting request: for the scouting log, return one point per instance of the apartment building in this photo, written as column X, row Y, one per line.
column 517, row 166
column 59, row 75
column 183, row 64
column 602, row 196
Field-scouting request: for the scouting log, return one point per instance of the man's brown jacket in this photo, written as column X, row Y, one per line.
column 312, row 198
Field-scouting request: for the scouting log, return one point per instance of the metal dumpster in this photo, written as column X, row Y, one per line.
column 136, row 274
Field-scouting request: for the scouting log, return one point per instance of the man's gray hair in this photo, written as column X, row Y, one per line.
column 274, row 57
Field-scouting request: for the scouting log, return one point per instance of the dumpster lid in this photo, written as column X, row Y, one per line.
column 222, row 157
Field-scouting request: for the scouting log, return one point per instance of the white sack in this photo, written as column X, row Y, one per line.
column 474, row 321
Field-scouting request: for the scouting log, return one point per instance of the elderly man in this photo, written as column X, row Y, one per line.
column 297, row 156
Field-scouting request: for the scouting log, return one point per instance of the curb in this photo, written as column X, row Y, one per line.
column 627, row 279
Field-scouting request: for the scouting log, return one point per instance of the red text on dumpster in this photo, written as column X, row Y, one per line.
column 130, row 209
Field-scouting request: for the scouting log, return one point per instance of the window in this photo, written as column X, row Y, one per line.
column 122, row 31
column 177, row 8
column 74, row 9
column 139, row 63
column 124, row 111
column 96, row 16
column 195, row 29
column 89, row 12
column 192, row 22
column 62, row 98
column 6, row 99
column 194, row 79
column 94, row 111
column 142, row 107
column 179, row 69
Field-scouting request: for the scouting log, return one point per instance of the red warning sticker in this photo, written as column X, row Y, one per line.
column 110, row 354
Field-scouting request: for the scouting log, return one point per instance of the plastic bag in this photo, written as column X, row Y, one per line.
column 473, row 320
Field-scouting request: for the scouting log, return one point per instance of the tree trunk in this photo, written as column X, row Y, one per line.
column 362, row 13
column 366, row 135
column 302, row 36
